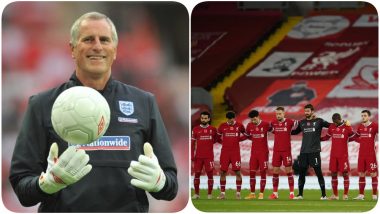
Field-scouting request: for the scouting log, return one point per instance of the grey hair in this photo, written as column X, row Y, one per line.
column 91, row 16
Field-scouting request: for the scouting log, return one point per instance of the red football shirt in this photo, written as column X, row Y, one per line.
column 203, row 139
column 339, row 139
column 282, row 132
column 230, row 135
column 366, row 139
column 258, row 134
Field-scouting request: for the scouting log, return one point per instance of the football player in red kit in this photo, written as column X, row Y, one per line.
column 340, row 133
column 230, row 133
column 366, row 135
column 282, row 153
column 203, row 138
column 257, row 132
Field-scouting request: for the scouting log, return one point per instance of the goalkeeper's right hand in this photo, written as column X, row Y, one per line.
column 69, row 168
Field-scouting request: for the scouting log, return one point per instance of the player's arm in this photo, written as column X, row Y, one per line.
column 29, row 156
column 297, row 130
column 247, row 134
column 352, row 136
column 37, row 171
column 357, row 136
column 327, row 136
column 243, row 135
column 325, row 123
column 270, row 127
column 158, row 163
column 193, row 144
column 215, row 135
column 219, row 134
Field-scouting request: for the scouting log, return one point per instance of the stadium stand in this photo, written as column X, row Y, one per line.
column 201, row 100
column 222, row 36
column 327, row 57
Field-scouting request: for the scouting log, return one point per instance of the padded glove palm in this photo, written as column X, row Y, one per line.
column 69, row 168
column 147, row 172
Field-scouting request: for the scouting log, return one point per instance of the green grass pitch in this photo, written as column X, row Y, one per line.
column 310, row 203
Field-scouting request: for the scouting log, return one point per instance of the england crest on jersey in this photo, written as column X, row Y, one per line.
column 126, row 107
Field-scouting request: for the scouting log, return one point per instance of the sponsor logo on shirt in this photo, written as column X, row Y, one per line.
column 280, row 129
column 257, row 135
column 338, row 136
column 365, row 135
column 127, row 120
column 231, row 134
column 305, row 130
column 205, row 137
column 108, row 143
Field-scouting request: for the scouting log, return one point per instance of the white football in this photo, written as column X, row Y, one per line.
column 80, row 115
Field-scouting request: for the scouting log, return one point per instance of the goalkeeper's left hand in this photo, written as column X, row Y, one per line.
column 147, row 172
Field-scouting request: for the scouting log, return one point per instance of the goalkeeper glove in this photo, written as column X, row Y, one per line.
column 348, row 123
column 147, row 172
column 69, row 168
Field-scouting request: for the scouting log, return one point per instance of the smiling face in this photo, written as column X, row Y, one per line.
column 95, row 50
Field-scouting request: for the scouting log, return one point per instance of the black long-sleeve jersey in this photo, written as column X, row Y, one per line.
column 311, row 130
column 107, row 187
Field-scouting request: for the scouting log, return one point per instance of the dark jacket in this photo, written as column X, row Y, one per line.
column 311, row 134
column 107, row 187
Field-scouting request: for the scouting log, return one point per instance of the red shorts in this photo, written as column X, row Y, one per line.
column 232, row 157
column 368, row 164
column 258, row 159
column 208, row 163
column 280, row 158
column 339, row 164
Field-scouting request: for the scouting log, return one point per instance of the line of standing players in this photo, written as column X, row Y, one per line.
column 230, row 133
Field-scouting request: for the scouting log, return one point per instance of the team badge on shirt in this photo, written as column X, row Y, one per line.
column 126, row 107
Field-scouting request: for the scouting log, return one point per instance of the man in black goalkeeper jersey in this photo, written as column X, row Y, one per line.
column 311, row 128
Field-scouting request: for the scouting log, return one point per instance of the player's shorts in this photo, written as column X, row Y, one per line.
column 339, row 164
column 282, row 158
column 258, row 159
column 310, row 159
column 227, row 157
column 208, row 163
column 368, row 164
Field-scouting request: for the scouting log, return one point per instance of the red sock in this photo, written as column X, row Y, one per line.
column 361, row 185
column 275, row 182
column 238, row 185
column 346, row 184
column 210, row 182
column 291, row 181
column 374, row 185
column 196, row 182
column 263, row 180
column 334, row 184
column 222, row 185
column 252, row 180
